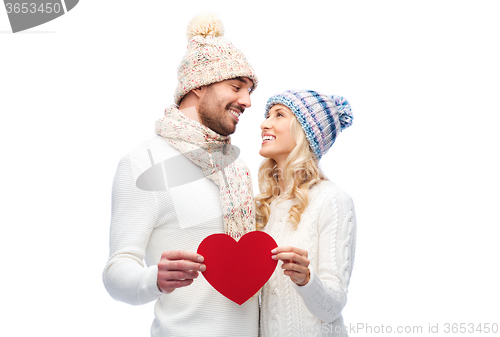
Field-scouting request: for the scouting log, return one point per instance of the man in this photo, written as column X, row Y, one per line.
column 181, row 186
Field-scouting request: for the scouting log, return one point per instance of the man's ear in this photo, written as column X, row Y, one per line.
column 200, row 92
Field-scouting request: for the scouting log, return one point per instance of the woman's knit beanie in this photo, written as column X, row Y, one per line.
column 210, row 58
column 322, row 117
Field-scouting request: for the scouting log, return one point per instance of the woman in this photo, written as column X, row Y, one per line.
column 310, row 218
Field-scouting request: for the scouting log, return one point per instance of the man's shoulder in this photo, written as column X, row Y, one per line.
column 153, row 150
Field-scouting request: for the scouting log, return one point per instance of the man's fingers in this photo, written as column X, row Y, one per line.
column 182, row 255
column 169, row 286
column 176, row 275
column 181, row 260
column 181, row 265
column 177, row 269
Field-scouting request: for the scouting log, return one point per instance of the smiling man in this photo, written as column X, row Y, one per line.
column 219, row 105
column 159, row 220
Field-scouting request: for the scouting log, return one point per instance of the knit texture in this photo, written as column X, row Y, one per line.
column 178, row 216
column 327, row 230
column 321, row 116
column 214, row 154
column 210, row 58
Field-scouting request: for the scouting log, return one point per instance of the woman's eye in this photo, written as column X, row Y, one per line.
column 236, row 88
column 280, row 114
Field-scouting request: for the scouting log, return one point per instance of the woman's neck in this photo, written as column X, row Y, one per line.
column 281, row 180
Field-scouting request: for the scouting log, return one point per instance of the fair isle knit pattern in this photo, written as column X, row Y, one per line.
column 321, row 116
column 214, row 154
column 210, row 58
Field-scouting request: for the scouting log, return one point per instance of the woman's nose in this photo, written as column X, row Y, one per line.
column 265, row 125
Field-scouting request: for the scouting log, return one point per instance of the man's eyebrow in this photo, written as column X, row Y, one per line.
column 244, row 81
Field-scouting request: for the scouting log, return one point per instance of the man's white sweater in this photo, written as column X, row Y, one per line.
column 162, row 201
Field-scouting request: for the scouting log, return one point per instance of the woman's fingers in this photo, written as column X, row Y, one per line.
column 295, row 263
column 290, row 257
column 299, row 277
column 290, row 249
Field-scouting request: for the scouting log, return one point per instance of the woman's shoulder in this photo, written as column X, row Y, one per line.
column 328, row 190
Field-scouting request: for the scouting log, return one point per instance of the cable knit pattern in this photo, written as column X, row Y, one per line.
column 327, row 231
column 168, row 213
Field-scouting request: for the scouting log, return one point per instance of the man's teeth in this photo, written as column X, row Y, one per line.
column 234, row 113
column 268, row 138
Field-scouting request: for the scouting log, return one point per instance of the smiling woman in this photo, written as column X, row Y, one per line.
column 310, row 218
column 277, row 140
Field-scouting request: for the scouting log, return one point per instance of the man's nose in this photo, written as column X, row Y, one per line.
column 245, row 100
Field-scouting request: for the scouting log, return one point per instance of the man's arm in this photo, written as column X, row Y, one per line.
column 134, row 216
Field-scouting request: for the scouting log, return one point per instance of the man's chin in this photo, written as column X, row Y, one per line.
column 230, row 129
column 226, row 132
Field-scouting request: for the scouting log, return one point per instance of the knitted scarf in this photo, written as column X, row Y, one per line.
column 215, row 155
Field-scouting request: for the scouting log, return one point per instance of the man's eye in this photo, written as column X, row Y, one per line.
column 236, row 87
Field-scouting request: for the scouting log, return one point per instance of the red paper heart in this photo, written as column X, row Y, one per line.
column 238, row 269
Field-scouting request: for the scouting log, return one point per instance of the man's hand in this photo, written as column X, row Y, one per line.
column 177, row 269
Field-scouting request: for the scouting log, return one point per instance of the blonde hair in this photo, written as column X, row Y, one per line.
column 301, row 172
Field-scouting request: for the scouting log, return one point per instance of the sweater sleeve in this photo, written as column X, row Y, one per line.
column 134, row 216
column 326, row 293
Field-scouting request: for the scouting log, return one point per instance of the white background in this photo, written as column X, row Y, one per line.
column 420, row 161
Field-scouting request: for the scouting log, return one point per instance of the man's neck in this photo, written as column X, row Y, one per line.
column 189, row 106
column 191, row 113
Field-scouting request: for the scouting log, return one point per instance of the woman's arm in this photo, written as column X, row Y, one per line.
column 325, row 294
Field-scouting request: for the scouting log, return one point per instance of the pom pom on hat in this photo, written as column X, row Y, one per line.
column 205, row 24
column 322, row 117
column 345, row 113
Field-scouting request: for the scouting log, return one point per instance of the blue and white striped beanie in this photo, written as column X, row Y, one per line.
column 322, row 117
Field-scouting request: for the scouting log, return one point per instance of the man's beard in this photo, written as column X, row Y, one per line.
column 214, row 116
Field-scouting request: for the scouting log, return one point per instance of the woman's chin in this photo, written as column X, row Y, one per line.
column 263, row 153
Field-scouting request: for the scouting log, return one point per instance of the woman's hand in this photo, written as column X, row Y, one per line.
column 295, row 263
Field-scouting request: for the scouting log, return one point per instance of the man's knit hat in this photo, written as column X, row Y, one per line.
column 210, row 58
column 322, row 117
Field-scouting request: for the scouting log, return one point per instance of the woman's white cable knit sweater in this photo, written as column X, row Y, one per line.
column 327, row 230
